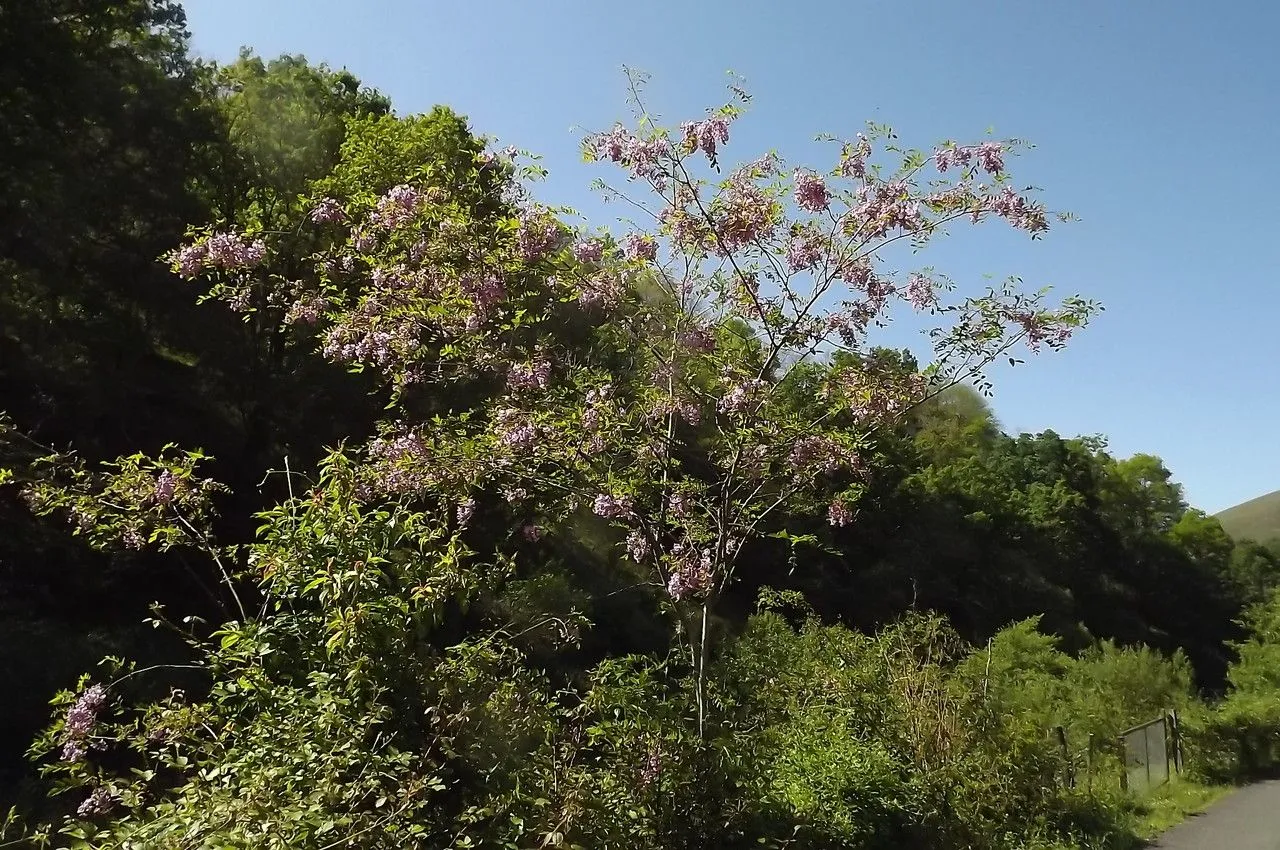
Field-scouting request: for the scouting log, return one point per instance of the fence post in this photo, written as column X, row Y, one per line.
column 1146, row 754
column 1088, row 767
column 1067, row 766
column 1175, row 736
column 1124, row 764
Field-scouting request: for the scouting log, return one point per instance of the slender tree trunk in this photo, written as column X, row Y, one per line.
column 700, row 682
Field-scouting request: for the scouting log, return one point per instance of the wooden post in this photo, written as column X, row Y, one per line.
column 1066, row 757
column 1124, row 764
column 1175, row 735
column 1089, row 766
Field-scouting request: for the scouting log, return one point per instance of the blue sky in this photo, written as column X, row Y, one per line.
column 1153, row 121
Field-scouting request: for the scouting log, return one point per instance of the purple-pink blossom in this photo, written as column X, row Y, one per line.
column 514, row 430
column 743, row 215
column 190, row 259
column 80, row 722
column 853, row 158
column 1015, row 209
column 706, row 135
column 466, row 510
column 99, row 802
column 532, row 533
column 485, row 291
column 990, row 156
column 816, row 453
column 639, row 247
column 398, row 207
column 612, row 507
column 739, row 396
column 804, row 251
column 529, row 376
column 588, row 251
column 306, row 310
column 699, row 340
column 810, row 191
column 652, row 767
column 839, row 514
column 920, row 292
column 637, row 546
column 166, row 486
column 692, row 573
column 328, row 211
column 363, row 241
column 643, row 157
column 883, row 208
column 222, row 251
column 539, row 235
column 602, row 290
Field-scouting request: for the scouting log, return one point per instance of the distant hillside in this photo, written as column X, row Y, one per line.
column 1257, row 519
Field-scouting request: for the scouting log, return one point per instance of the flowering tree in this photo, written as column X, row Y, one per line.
column 692, row 383
column 646, row 377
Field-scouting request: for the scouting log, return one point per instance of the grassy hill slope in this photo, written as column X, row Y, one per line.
column 1257, row 519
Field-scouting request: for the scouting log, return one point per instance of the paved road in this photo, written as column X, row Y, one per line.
column 1248, row 819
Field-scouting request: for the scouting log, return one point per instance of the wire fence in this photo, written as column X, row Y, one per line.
column 1145, row 756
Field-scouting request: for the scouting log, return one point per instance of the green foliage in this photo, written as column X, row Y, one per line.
column 412, row 649
column 1239, row 737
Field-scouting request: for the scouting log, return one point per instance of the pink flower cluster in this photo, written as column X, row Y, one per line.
column 839, row 514
column 328, row 211
column 744, row 215
column 637, row 546
column 652, row 767
column 588, row 251
column 221, row 251
column 81, row 719
column 885, row 207
column 613, row 507
column 689, row 411
column 602, row 290
column 398, row 207
column 853, row 158
column 699, row 340
column 920, row 292
column 539, row 234
column 810, row 191
column 1019, row 212
column 1038, row 329
column 373, row 344
column 692, row 573
column 804, row 251
column 706, row 135
column 645, row 158
column 306, row 310
column 816, row 453
column 989, row 156
column 166, row 487
column 514, row 430
column 529, row 376
column 485, row 291
column 639, row 247
column 99, row 802
column 402, row 464
column 739, row 396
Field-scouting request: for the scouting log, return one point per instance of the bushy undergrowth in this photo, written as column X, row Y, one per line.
column 1238, row 738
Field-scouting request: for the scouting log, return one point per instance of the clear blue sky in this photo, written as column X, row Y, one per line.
column 1155, row 120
